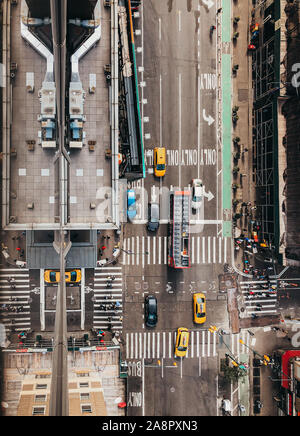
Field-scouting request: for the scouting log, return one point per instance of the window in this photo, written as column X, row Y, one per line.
column 39, row 410
column 40, row 398
column 86, row 408
column 84, row 384
column 83, row 374
column 41, row 386
column 84, row 396
column 42, row 376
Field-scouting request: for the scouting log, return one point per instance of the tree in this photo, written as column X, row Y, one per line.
column 232, row 373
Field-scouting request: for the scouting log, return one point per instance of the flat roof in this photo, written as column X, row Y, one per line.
column 32, row 173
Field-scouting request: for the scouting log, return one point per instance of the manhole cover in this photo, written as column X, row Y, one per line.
column 228, row 283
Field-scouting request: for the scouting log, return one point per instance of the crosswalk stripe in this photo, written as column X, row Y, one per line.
column 203, row 250
column 143, row 251
column 132, row 250
column 214, row 249
column 165, row 249
column 193, row 250
column 137, row 250
column 159, row 250
column 148, row 242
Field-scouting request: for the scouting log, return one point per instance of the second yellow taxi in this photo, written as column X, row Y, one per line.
column 51, row 276
column 182, row 342
column 199, row 304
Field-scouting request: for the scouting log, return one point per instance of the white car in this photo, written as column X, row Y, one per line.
column 197, row 193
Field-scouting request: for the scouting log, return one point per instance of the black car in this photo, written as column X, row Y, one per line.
column 153, row 219
column 150, row 311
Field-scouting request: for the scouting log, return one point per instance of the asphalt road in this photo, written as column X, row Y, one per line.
column 179, row 110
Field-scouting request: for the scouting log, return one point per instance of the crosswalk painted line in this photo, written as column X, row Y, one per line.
column 147, row 250
column 256, row 297
column 18, row 288
column 202, row 343
column 100, row 316
column 156, row 345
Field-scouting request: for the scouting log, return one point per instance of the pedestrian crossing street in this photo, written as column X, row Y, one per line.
column 153, row 250
column 21, row 321
column 100, row 317
column 259, row 296
column 202, row 343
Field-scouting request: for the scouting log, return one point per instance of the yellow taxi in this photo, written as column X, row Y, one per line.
column 199, row 304
column 51, row 276
column 182, row 342
column 73, row 276
column 159, row 161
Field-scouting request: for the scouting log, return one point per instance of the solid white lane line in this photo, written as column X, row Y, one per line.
column 180, row 127
column 160, row 111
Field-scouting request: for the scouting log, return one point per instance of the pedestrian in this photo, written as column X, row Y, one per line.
column 103, row 248
column 219, row 10
column 18, row 248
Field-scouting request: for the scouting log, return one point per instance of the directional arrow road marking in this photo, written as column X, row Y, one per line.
column 209, row 195
column 210, row 120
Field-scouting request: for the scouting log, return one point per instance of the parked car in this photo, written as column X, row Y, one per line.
column 151, row 311
column 197, row 194
column 153, row 217
column 182, row 342
column 199, row 305
column 131, row 204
